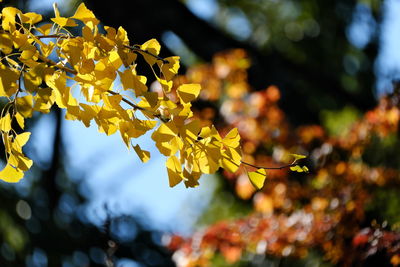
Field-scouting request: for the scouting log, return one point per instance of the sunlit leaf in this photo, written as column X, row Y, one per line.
column 174, row 169
column 11, row 174
column 257, row 178
column 153, row 47
column 188, row 92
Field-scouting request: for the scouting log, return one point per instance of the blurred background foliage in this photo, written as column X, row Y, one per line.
column 294, row 77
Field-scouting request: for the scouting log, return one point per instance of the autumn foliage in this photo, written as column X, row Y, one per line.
column 45, row 64
column 209, row 121
column 325, row 210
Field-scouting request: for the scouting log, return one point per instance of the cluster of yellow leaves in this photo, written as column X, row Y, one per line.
column 44, row 64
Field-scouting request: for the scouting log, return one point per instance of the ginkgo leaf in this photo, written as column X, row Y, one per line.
column 6, row 43
column 297, row 156
column 153, row 47
column 143, row 154
column 8, row 81
column 84, row 14
column 20, row 120
column 257, row 178
column 63, row 22
column 232, row 139
column 20, row 162
column 170, row 69
column 188, row 92
column 130, row 80
column 11, row 174
column 230, row 161
column 297, row 168
column 8, row 18
column 174, row 169
column 31, row 18
column 20, row 140
column 5, row 123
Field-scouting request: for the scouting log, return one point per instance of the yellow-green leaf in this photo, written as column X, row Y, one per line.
column 257, row 178
column 297, row 168
column 297, row 156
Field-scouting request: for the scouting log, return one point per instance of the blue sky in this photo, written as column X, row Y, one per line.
column 117, row 177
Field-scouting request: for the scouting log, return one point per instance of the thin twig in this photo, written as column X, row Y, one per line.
column 51, row 62
column 270, row 168
column 54, row 36
column 137, row 49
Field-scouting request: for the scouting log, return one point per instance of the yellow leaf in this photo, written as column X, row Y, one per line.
column 64, row 22
column 151, row 98
column 45, row 29
column 257, row 178
column 88, row 113
column 31, row 18
column 34, row 77
column 165, row 132
column 297, row 168
column 19, row 161
column 85, row 15
column 127, row 56
column 174, row 169
column 8, row 81
column 297, row 157
column 28, row 51
column 143, row 154
column 190, row 131
column 153, row 47
column 232, row 139
column 121, row 37
column 170, row 69
column 11, row 174
column 5, row 123
column 166, row 85
column 6, row 43
column 191, row 179
column 20, row 140
column 8, row 18
column 20, row 120
column 130, row 80
column 44, row 100
column 231, row 159
column 188, row 92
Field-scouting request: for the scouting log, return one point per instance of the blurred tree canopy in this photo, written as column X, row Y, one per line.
column 303, row 48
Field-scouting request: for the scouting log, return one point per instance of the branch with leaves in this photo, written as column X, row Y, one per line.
column 46, row 65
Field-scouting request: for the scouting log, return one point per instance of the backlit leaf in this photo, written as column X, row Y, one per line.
column 11, row 174
column 188, row 92
column 257, row 178
column 174, row 169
